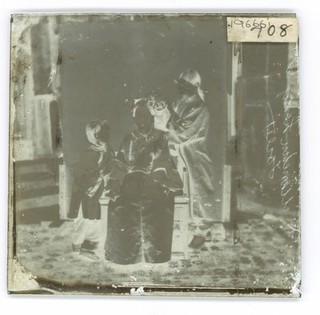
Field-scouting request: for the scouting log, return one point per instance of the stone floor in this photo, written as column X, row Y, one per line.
column 261, row 250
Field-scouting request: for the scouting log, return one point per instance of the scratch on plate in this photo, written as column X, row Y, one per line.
column 137, row 291
column 191, row 24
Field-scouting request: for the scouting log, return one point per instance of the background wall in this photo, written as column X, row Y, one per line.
column 108, row 63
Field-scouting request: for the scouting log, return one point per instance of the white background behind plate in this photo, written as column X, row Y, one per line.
column 308, row 14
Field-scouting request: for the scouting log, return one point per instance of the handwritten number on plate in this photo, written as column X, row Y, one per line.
column 284, row 28
column 271, row 29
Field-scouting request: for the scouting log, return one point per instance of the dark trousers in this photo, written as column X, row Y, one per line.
column 139, row 231
column 91, row 208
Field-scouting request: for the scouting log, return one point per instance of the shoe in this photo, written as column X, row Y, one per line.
column 76, row 248
column 89, row 245
column 88, row 254
column 197, row 241
column 208, row 237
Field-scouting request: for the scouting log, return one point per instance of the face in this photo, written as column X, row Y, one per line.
column 159, row 108
column 104, row 133
column 143, row 118
column 186, row 88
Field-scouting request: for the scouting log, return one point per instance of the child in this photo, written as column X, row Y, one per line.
column 88, row 185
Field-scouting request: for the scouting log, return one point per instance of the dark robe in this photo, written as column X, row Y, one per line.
column 88, row 183
column 140, row 219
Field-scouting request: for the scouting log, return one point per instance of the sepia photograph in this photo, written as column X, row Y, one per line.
column 154, row 154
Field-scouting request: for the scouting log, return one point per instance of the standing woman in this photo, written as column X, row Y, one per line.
column 140, row 218
column 189, row 127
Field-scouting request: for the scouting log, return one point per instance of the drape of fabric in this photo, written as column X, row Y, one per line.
column 140, row 219
column 88, row 184
column 189, row 135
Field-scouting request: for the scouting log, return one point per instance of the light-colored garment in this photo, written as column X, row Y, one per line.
column 87, row 230
column 189, row 137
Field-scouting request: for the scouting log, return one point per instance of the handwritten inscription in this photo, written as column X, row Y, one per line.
column 282, row 161
column 271, row 157
column 289, row 178
column 271, row 138
column 259, row 29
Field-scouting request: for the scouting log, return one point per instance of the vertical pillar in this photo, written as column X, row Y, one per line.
column 228, row 193
column 64, row 191
column 42, row 126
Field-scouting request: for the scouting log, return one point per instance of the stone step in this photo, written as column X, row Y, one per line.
column 38, row 215
column 31, row 168
column 36, row 202
column 37, row 192
column 36, row 184
column 21, row 178
column 42, row 165
column 36, row 189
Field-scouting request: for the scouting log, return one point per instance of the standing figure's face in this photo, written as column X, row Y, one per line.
column 143, row 118
column 186, row 88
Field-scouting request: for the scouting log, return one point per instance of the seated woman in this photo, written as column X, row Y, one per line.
column 140, row 216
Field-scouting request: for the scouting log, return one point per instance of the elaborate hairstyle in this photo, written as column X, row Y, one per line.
column 93, row 129
column 136, row 103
